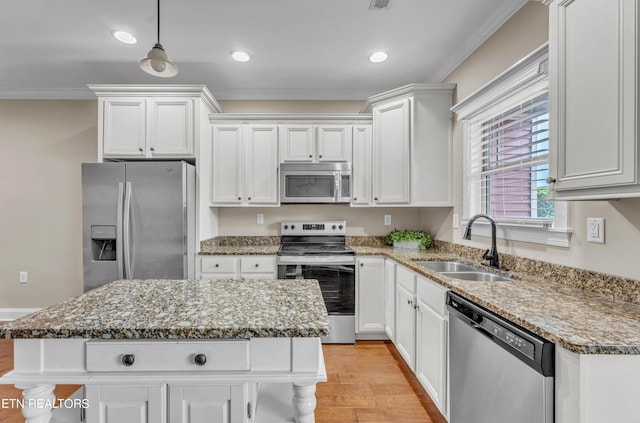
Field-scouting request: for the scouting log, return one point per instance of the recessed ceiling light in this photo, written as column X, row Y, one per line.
column 124, row 37
column 240, row 56
column 377, row 57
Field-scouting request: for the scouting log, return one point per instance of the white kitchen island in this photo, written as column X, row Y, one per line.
column 168, row 351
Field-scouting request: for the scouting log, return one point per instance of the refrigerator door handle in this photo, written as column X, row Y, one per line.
column 119, row 232
column 127, row 231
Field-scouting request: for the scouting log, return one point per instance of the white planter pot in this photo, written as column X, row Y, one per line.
column 406, row 245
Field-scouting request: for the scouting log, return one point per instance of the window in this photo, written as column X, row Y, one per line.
column 506, row 152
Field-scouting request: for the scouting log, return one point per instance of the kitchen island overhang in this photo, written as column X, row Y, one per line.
column 172, row 342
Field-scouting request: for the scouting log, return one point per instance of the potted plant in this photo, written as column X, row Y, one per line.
column 409, row 239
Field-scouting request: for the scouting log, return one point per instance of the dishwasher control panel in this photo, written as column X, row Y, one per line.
column 508, row 337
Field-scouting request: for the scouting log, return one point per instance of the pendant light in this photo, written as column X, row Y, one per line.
column 157, row 62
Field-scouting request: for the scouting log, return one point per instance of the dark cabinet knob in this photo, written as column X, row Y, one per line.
column 152, row 149
column 239, row 198
column 257, row 265
column 550, row 180
column 355, row 199
column 128, row 359
column 140, row 149
column 361, row 264
column 375, row 198
column 217, row 265
column 200, row 359
column 249, row 198
column 310, row 156
column 320, row 156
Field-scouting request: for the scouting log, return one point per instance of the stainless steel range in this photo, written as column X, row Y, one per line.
column 317, row 250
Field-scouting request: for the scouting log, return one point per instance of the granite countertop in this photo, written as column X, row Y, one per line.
column 182, row 309
column 576, row 319
column 583, row 314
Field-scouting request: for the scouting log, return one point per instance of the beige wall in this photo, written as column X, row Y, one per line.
column 360, row 221
column 525, row 31
column 42, row 144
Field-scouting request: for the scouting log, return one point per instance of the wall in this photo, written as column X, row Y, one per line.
column 360, row 221
column 42, row 144
column 525, row 31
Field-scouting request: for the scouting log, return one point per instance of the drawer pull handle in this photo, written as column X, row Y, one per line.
column 128, row 360
column 200, row 359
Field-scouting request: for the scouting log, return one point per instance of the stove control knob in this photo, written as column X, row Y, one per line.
column 286, row 227
column 293, row 227
column 340, row 227
column 333, row 227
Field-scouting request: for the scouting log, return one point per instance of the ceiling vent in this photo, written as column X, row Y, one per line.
column 379, row 4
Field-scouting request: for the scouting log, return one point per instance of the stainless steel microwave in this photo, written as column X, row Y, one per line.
column 328, row 182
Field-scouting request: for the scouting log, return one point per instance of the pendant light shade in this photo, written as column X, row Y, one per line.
column 156, row 62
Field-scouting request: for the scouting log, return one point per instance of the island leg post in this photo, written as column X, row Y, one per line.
column 304, row 402
column 38, row 402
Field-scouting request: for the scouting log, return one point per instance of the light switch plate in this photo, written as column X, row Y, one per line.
column 595, row 229
column 387, row 220
column 260, row 218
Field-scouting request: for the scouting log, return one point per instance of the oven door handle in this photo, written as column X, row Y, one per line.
column 341, row 261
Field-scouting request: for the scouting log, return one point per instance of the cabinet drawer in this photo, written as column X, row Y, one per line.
column 153, row 355
column 432, row 294
column 406, row 278
column 257, row 265
column 219, row 264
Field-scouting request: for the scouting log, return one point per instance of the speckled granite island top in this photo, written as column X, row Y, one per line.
column 182, row 309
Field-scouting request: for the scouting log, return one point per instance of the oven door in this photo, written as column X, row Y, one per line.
column 337, row 283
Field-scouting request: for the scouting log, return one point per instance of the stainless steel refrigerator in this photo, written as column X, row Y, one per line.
column 138, row 221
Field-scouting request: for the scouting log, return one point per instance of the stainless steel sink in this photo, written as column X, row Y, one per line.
column 447, row 266
column 477, row 276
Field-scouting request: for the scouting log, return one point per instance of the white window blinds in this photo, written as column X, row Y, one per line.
column 508, row 163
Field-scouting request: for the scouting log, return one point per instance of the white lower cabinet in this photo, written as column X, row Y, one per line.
column 390, row 299
column 421, row 331
column 209, row 404
column 172, row 403
column 405, row 315
column 126, row 404
column 238, row 267
column 432, row 340
column 370, row 295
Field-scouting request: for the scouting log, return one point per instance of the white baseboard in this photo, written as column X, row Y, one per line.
column 7, row 314
column 372, row 336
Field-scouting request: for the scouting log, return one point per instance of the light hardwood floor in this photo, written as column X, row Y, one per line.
column 368, row 382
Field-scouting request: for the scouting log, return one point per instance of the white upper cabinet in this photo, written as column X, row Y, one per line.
column 391, row 143
column 334, row 143
column 151, row 121
column 298, row 143
column 361, row 183
column 316, row 143
column 593, row 57
column 244, row 165
column 412, row 146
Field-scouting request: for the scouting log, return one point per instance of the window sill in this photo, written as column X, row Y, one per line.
column 534, row 234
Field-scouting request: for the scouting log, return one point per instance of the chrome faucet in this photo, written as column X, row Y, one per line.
column 491, row 255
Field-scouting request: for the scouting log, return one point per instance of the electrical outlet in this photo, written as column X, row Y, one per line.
column 456, row 221
column 595, row 230
column 260, row 219
column 387, row 220
column 24, row 277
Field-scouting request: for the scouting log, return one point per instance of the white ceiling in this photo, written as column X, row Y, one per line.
column 301, row 49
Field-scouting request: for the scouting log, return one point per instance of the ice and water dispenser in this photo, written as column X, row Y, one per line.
column 103, row 242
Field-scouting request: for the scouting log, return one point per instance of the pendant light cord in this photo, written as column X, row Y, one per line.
column 158, row 21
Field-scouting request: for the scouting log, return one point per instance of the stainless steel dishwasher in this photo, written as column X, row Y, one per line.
column 499, row 372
